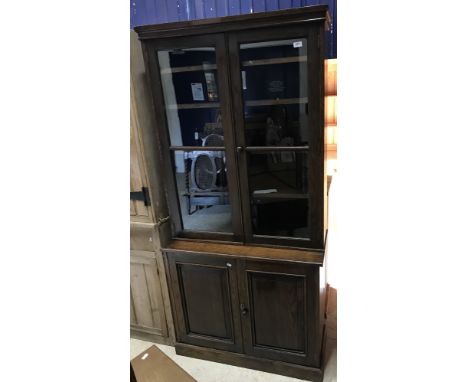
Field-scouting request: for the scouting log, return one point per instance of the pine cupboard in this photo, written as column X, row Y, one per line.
column 150, row 313
column 239, row 126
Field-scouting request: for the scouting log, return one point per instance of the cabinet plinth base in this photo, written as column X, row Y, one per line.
column 150, row 336
column 243, row 360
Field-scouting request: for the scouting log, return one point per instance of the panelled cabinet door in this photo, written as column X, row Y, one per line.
column 205, row 300
column 146, row 305
column 278, row 303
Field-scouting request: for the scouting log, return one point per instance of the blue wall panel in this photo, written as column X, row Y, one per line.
column 246, row 6
column 271, row 5
column 144, row 12
column 259, row 5
column 222, row 8
column 234, row 7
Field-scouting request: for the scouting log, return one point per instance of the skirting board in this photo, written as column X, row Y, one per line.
column 150, row 337
column 243, row 360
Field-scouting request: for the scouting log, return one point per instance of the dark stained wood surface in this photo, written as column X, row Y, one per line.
column 315, row 149
column 243, row 360
column 317, row 13
column 255, row 305
column 276, row 25
column 317, row 138
column 205, row 300
column 280, row 322
column 279, row 305
column 247, row 251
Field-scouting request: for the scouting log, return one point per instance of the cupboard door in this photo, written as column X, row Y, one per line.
column 147, row 312
column 278, row 305
column 190, row 83
column 205, row 300
column 278, row 107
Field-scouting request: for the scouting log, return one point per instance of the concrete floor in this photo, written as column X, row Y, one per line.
column 207, row 371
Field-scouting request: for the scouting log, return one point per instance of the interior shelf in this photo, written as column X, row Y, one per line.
column 275, row 61
column 260, row 102
column 279, row 195
column 201, row 105
column 266, row 61
column 279, row 101
column 193, row 68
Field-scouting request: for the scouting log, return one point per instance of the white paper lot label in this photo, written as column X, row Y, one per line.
column 197, row 92
column 297, row 44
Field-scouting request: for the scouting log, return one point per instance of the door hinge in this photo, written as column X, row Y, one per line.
column 142, row 195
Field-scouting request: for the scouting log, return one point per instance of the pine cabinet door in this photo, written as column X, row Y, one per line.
column 147, row 313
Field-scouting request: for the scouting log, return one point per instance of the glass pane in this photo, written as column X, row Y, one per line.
column 278, row 190
column 274, row 83
column 190, row 87
column 203, row 190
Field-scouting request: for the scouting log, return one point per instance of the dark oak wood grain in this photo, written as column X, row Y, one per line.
column 247, row 251
column 243, row 360
column 312, row 14
column 247, row 299
column 205, row 300
column 317, row 138
column 281, row 321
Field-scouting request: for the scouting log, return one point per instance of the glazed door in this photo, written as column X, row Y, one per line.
column 277, row 91
column 278, row 302
column 205, row 300
column 191, row 87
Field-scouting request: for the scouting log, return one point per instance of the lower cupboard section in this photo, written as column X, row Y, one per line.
column 253, row 313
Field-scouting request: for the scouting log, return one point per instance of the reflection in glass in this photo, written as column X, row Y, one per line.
column 278, row 190
column 274, row 83
column 189, row 82
column 203, row 190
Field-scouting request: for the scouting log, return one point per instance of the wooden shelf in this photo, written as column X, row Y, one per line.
column 281, row 101
column 201, row 105
column 279, row 195
column 267, row 61
column 197, row 148
column 275, row 61
column 194, row 68
column 260, row 102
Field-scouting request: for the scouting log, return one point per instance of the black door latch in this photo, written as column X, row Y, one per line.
column 142, row 195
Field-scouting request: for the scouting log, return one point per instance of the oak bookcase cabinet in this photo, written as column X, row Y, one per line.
column 239, row 128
